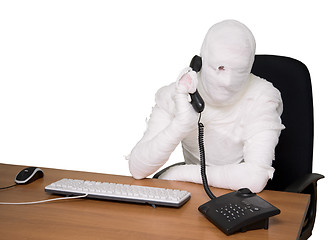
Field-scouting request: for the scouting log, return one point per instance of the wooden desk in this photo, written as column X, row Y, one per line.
column 96, row 219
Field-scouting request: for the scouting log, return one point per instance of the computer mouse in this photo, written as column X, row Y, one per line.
column 28, row 175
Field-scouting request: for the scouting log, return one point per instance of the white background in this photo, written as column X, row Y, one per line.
column 78, row 78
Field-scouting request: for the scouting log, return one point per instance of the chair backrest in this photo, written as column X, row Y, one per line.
column 294, row 152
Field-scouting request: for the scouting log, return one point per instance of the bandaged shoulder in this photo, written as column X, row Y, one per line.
column 263, row 108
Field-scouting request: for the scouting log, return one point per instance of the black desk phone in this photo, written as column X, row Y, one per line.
column 237, row 211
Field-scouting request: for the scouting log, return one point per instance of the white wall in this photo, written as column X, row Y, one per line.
column 78, row 78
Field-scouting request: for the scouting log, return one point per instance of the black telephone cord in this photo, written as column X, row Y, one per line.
column 202, row 158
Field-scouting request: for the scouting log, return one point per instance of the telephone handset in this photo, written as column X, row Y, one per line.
column 196, row 99
column 237, row 211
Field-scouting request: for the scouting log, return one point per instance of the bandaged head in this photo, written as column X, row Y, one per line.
column 227, row 54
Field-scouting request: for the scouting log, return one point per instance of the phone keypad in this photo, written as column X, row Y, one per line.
column 232, row 211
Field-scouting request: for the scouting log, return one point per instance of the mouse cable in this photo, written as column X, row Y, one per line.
column 43, row 201
column 8, row 186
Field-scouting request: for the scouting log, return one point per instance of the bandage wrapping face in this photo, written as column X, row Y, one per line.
column 241, row 118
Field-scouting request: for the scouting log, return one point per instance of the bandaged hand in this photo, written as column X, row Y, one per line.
column 187, row 81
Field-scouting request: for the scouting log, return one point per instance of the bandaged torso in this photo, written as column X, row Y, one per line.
column 227, row 128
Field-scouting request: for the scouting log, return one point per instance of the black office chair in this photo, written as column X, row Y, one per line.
column 294, row 152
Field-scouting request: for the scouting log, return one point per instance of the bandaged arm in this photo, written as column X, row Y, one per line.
column 252, row 173
column 172, row 119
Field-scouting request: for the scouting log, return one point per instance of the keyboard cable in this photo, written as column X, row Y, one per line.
column 43, row 201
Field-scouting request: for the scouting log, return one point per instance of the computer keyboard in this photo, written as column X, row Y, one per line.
column 119, row 192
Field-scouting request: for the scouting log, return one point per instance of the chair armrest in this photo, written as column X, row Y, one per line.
column 302, row 183
column 307, row 184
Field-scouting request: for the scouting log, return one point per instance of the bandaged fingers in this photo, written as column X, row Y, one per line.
column 187, row 81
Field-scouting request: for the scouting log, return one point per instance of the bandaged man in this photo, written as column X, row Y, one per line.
column 241, row 118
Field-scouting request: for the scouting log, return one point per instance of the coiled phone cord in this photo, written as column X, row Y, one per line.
column 202, row 158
